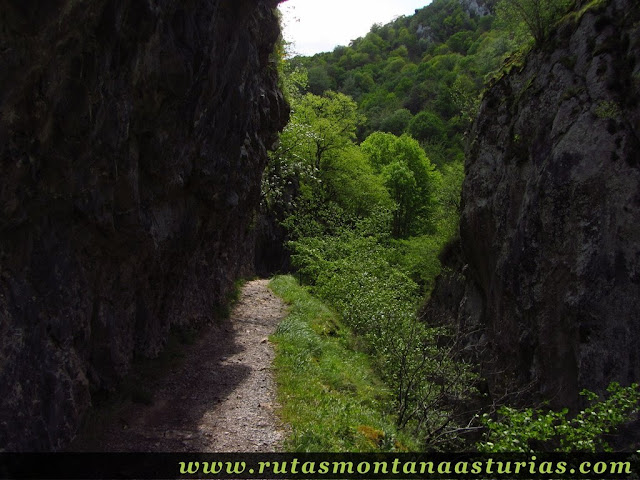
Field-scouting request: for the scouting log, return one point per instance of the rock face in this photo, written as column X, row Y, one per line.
column 132, row 140
column 550, row 226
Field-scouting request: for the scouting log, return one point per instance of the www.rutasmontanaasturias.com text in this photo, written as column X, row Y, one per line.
column 399, row 467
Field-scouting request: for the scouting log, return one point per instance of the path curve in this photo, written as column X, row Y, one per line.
column 221, row 399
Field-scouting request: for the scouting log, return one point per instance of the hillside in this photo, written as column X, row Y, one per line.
column 420, row 74
column 528, row 292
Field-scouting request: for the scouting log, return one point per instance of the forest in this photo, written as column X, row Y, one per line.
column 366, row 186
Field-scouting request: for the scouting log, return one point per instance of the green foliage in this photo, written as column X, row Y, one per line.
column 410, row 178
column 320, row 130
column 402, row 185
column 397, row 122
column 329, row 394
column 332, row 120
column 519, row 430
column 435, row 61
column 294, row 80
column 448, row 199
column 358, row 275
column 460, row 42
column 319, row 80
column 350, row 181
column 417, row 258
column 464, row 93
column 341, row 205
column 427, row 126
column 537, row 17
column 367, row 222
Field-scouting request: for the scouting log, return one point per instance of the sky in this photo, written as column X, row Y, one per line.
column 320, row 25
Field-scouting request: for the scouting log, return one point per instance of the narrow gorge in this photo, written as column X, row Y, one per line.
column 133, row 141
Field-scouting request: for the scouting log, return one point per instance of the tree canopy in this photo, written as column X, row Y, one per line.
column 537, row 16
column 331, row 121
column 409, row 176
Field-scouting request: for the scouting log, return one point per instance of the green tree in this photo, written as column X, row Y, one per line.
column 466, row 97
column 332, row 120
column 427, row 126
column 319, row 80
column 460, row 42
column 410, row 178
column 397, row 122
column 402, row 186
column 349, row 180
column 538, row 16
column 318, row 126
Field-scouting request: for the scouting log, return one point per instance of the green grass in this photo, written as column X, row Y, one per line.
column 328, row 391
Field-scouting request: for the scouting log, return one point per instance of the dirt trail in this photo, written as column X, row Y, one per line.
column 222, row 397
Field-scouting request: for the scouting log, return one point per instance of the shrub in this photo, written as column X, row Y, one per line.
column 528, row 430
column 355, row 274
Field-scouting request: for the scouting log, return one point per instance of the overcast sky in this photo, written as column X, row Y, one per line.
column 319, row 25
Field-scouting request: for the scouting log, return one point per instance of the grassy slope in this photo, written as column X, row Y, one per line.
column 329, row 394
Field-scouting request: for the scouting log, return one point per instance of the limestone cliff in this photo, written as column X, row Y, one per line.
column 549, row 277
column 132, row 140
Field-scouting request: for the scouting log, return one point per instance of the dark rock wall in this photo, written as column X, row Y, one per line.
column 132, row 140
column 550, row 227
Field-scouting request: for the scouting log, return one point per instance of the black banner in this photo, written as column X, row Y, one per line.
column 71, row 466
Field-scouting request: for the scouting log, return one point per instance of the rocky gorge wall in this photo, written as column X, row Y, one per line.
column 546, row 282
column 133, row 136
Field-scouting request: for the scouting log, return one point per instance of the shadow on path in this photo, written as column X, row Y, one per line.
column 221, row 397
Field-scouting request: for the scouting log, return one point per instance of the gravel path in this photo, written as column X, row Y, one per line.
column 221, row 399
